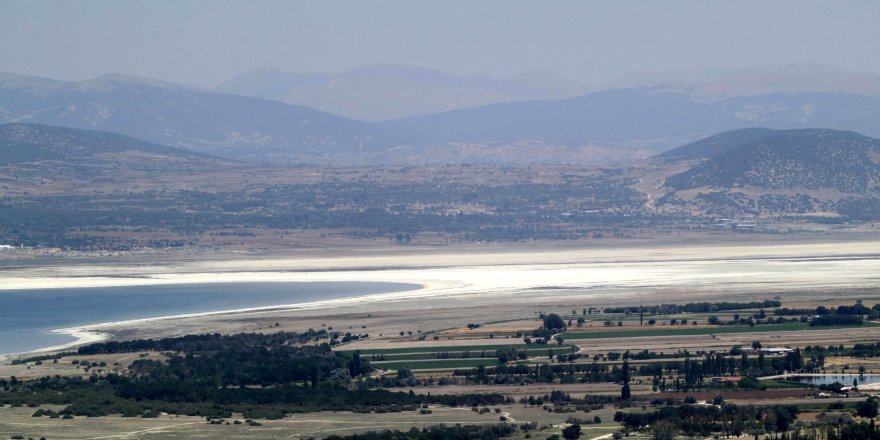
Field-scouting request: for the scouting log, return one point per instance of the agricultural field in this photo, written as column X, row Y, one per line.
column 602, row 369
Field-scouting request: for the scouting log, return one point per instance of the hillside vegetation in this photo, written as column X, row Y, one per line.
column 780, row 172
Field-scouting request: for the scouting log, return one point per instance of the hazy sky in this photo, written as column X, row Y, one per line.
column 207, row 42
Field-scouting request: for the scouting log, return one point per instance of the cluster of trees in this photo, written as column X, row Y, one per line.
column 848, row 431
column 836, row 320
column 261, row 376
column 772, row 421
column 705, row 421
column 857, row 309
column 691, row 373
column 457, row 432
column 203, row 343
column 859, row 350
column 699, row 307
column 542, row 373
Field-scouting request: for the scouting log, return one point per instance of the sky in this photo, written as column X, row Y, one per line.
column 208, row 42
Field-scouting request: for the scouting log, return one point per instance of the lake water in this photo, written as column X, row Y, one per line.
column 28, row 316
column 845, row 379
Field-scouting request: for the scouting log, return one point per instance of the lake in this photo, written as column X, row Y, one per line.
column 28, row 316
column 845, row 379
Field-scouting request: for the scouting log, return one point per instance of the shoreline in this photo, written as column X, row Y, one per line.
column 100, row 331
column 520, row 276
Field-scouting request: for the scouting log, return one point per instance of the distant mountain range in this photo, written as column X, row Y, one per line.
column 385, row 91
column 23, row 143
column 604, row 127
column 750, row 81
column 225, row 125
column 755, row 172
column 760, row 171
column 653, row 117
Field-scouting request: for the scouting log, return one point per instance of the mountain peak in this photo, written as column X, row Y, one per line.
column 775, row 159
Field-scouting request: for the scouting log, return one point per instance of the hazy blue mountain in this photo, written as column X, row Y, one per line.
column 602, row 127
column 657, row 118
column 552, row 84
column 814, row 172
column 385, row 91
column 749, row 81
column 268, row 83
column 714, row 146
column 225, row 125
column 21, row 143
column 804, row 158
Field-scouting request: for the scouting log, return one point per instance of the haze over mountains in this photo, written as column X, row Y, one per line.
column 744, row 81
column 232, row 126
column 602, row 127
column 384, row 91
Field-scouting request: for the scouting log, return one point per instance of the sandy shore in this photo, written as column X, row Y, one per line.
column 485, row 277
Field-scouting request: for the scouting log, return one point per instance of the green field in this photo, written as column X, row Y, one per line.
column 452, row 348
column 823, row 405
column 683, row 331
column 779, row 384
column 438, row 364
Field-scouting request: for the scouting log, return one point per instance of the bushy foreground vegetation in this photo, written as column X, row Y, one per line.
column 441, row 432
column 261, row 376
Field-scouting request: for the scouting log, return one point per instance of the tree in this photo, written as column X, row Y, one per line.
column 506, row 354
column 663, row 430
column 868, row 408
column 553, row 322
column 404, row 373
column 572, row 432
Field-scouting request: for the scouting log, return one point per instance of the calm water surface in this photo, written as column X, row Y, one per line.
column 28, row 316
column 845, row 379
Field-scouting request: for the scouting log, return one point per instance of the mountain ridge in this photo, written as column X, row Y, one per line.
column 605, row 127
column 645, row 114
column 798, row 172
column 807, row 158
column 27, row 142
column 170, row 114
column 377, row 92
